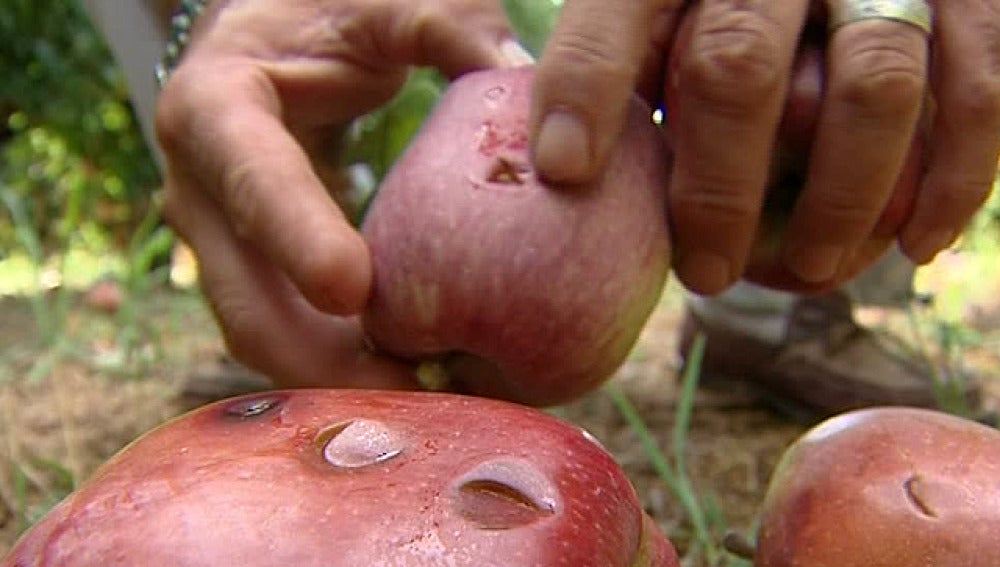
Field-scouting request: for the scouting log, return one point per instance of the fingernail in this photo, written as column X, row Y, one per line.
column 929, row 245
column 705, row 272
column 562, row 151
column 515, row 54
column 814, row 263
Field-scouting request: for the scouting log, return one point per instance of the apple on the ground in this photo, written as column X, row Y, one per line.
column 350, row 478
column 885, row 487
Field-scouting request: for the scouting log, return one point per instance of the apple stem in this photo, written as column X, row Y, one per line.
column 739, row 545
column 433, row 376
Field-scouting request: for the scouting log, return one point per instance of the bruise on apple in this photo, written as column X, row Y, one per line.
column 885, row 487
column 349, row 478
column 502, row 284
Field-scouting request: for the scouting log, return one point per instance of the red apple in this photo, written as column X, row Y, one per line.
column 515, row 288
column 105, row 295
column 885, row 487
column 790, row 166
column 348, row 478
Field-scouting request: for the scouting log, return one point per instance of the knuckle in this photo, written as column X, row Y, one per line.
column 240, row 342
column 979, row 100
column 589, row 53
column 963, row 195
column 737, row 66
column 714, row 201
column 171, row 115
column 431, row 19
column 885, row 79
column 242, row 208
column 429, row 16
column 847, row 210
column 238, row 319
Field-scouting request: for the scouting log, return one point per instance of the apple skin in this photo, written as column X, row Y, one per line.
column 351, row 478
column 885, row 487
column 517, row 289
column 789, row 168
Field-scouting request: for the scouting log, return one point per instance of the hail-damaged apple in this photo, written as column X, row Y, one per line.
column 885, row 487
column 349, row 478
column 512, row 287
column 790, row 165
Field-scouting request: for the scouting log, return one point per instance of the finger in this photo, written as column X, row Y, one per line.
column 231, row 139
column 965, row 138
column 264, row 321
column 355, row 53
column 876, row 77
column 725, row 94
column 652, row 73
column 457, row 37
column 583, row 82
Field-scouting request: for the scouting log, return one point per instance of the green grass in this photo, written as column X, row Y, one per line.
column 702, row 513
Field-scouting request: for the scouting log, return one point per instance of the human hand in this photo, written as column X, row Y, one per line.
column 732, row 76
column 250, row 123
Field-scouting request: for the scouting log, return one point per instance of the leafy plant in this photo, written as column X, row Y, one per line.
column 72, row 151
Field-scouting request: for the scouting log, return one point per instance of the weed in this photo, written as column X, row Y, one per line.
column 704, row 515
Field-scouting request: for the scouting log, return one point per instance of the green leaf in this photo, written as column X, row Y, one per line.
column 380, row 137
column 532, row 21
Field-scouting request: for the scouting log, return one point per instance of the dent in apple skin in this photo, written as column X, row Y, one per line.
column 550, row 285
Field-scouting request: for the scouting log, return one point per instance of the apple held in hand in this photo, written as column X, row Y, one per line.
column 885, row 487
column 514, row 288
column 347, row 478
column 790, row 169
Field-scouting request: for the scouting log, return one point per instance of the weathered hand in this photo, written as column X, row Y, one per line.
column 732, row 74
column 250, row 122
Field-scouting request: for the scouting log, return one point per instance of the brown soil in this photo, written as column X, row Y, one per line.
column 81, row 407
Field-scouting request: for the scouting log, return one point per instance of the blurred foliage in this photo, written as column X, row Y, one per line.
column 73, row 160
column 380, row 137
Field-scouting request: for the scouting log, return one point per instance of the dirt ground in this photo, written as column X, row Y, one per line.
column 62, row 417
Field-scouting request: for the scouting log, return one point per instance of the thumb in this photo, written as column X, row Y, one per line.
column 584, row 80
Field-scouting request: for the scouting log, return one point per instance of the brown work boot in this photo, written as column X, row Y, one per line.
column 825, row 365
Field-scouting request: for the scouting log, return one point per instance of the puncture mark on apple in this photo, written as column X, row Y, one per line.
column 913, row 487
column 253, row 407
